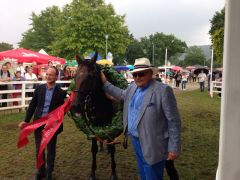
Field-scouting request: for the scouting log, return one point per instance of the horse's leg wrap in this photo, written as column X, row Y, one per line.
column 94, row 151
column 113, row 164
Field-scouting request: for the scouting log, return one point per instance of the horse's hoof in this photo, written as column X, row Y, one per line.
column 113, row 176
column 92, row 177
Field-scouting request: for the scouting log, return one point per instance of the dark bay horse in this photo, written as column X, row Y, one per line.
column 92, row 104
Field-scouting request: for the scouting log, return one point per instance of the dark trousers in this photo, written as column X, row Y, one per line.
column 51, row 151
column 177, row 83
column 202, row 86
column 171, row 170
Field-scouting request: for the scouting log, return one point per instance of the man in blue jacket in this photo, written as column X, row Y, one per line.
column 150, row 118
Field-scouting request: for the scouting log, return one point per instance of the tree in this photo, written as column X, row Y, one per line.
column 134, row 51
column 158, row 41
column 194, row 55
column 86, row 23
column 43, row 31
column 217, row 22
column 5, row 46
column 217, row 35
column 218, row 39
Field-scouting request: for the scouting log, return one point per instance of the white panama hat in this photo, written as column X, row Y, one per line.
column 142, row 64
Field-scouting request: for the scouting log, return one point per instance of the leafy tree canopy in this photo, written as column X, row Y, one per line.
column 194, row 55
column 43, row 31
column 217, row 21
column 5, row 46
column 86, row 24
column 218, row 39
column 81, row 26
column 217, row 35
column 158, row 41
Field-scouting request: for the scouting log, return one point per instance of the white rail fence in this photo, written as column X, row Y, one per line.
column 22, row 100
column 215, row 87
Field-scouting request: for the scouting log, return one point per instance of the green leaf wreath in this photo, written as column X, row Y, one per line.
column 110, row 131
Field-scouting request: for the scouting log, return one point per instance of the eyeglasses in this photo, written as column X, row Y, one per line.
column 140, row 74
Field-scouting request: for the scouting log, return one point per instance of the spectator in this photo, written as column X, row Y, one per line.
column 202, row 78
column 178, row 79
column 60, row 72
column 50, row 64
column 10, row 69
column 21, row 69
column 17, row 77
column 184, row 81
column 30, row 76
column 66, row 71
column 35, row 68
column 194, row 77
column 4, row 77
column 42, row 74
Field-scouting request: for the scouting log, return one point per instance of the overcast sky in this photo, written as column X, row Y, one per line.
column 188, row 20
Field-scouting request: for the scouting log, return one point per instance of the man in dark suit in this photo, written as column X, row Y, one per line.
column 46, row 98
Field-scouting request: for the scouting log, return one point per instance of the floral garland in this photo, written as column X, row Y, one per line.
column 110, row 131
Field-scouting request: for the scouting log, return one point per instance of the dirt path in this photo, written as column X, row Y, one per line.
column 189, row 87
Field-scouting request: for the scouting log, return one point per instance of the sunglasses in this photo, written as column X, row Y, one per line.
column 140, row 74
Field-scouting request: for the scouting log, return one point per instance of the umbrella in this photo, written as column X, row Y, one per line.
column 99, row 57
column 198, row 71
column 176, row 68
column 185, row 71
column 190, row 67
column 104, row 62
column 119, row 68
column 27, row 56
column 72, row 62
column 131, row 67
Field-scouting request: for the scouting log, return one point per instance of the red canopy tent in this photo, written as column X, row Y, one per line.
column 27, row 56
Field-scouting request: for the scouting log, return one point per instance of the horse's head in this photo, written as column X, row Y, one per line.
column 90, row 99
column 87, row 78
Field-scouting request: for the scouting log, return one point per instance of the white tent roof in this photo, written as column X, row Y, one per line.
column 43, row 52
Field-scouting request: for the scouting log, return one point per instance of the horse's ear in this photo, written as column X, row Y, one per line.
column 78, row 58
column 94, row 58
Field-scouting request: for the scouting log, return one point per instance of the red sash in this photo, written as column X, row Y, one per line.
column 52, row 121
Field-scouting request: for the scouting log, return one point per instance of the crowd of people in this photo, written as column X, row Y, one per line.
column 31, row 72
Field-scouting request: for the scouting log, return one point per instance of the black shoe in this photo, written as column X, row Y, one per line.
column 39, row 176
column 49, row 176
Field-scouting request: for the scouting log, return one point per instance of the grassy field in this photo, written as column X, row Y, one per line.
column 200, row 131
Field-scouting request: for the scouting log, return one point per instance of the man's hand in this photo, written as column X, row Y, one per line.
column 22, row 124
column 172, row 156
column 103, row 78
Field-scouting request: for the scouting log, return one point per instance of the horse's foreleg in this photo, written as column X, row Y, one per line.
column 94, row 153
column 111, row 149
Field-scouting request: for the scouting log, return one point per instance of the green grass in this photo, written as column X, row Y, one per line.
column 200, row 131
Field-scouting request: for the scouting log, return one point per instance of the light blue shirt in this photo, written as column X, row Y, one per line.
column 48, row 98
column 134, row 109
